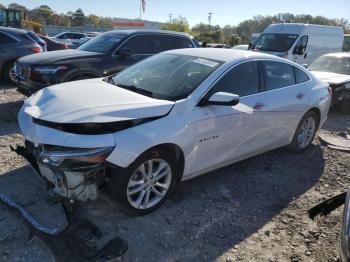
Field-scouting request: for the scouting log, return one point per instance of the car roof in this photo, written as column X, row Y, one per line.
column 339, row 54
column 225, row 55
column 143, row 31
column 13, row 30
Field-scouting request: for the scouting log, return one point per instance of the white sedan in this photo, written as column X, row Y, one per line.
column 169, row 118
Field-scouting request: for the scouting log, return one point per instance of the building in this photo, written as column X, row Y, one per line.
column 124, row 23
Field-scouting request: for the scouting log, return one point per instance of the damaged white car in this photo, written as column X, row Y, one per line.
column 171, row 117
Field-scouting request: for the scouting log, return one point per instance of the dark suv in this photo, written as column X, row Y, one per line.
column 103, row 55
column 15, row 43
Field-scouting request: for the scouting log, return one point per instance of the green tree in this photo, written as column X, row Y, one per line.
column 79, row 18
column 178, row 24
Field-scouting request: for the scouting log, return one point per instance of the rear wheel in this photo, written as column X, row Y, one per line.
column 144, row 185
column 305, row 132
column 9, row 73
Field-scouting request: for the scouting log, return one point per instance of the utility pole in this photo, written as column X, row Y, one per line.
column 209, row 19
column 170, row 16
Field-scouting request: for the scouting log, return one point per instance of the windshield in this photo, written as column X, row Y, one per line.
column 166, row 76
column 102, row 43
column 333, row 64
column 274, row 42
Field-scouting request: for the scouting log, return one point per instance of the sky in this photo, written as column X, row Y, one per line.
column 230, row 12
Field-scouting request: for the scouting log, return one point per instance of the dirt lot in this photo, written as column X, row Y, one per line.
column 252, row 211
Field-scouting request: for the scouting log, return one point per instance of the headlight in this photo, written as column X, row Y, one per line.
column 66, row 158
column 48, row 70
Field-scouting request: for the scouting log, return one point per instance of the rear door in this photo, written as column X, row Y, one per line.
column 287, row 97
column 230, row 133
column 7, row 50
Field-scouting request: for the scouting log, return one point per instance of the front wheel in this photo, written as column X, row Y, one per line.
column 9, row 73
column 144, row 185
column 305, row 132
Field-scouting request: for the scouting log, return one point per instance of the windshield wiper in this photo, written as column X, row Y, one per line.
column 136, row 89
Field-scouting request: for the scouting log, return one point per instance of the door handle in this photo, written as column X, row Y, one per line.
column 300, row 96
column 259, row 106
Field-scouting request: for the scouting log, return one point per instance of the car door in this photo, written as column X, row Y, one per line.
column 7, row 50
column 287, row 98
column 301, row 53
column 230, row 133
column 139, row 48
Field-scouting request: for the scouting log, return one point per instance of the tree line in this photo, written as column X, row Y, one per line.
column 227, row 34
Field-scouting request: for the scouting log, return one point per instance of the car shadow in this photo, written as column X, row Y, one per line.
column 210, row 214
column 9, row 110
column 204, row 217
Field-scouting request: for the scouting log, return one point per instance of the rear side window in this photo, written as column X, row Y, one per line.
column 300, row 76
column 5, row 39
column 168, row 42
column 242, row 80
column 278, row 75
column 139, row 44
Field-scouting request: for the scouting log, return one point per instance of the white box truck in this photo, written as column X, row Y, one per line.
column 301, row 43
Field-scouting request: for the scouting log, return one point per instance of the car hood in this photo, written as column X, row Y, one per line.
column 92, row 101
column 332, row 78
column 55, row 57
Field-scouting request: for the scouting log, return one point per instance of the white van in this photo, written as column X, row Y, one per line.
column 301, row 43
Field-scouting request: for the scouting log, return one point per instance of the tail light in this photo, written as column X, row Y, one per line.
column 36, row 50
column 65, row 46
column 330, row 91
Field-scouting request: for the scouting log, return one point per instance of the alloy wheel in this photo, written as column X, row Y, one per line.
column 149, row 183
column 306, row 132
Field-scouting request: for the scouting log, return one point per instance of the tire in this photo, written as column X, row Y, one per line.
column 129, row 185
column 306, row 129
column 7, row 73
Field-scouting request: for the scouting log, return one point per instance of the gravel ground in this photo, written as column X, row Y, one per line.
column 255, row 210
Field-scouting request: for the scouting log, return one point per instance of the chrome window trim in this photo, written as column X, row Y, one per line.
column 11, row 36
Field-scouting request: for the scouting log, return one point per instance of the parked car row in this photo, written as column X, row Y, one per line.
column 106, row 54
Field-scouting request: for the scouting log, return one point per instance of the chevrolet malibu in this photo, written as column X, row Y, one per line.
column 166, row 119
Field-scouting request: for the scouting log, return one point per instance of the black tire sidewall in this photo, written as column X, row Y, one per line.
column 117, row 186
column 6, row 72
column 294, row 146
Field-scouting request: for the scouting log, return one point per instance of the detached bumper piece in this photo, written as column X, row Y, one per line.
column 327, row 206
column 80, row 241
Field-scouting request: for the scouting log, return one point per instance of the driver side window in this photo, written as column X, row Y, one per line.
column 242, row 80
column 300, row 47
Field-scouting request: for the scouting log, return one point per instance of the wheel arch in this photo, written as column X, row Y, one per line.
column 176, row 152
column 317, row 111
column 76, row 74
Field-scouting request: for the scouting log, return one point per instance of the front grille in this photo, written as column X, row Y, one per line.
column 22, row 71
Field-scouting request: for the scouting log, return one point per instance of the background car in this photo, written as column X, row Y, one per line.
column 81, row 41
column 334, row 69
column 53, row 44
column 103, row 55
column 74, row 37
column 14, row 43
column 241, row 47
column 38, row 40
column 171, row 117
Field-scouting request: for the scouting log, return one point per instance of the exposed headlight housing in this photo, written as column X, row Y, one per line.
column 66, row 158
column 48, row 70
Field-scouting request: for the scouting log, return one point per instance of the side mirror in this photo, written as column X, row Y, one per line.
column 250, row 46
column 223, row 99
column 298, row 50
column 125, row 51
